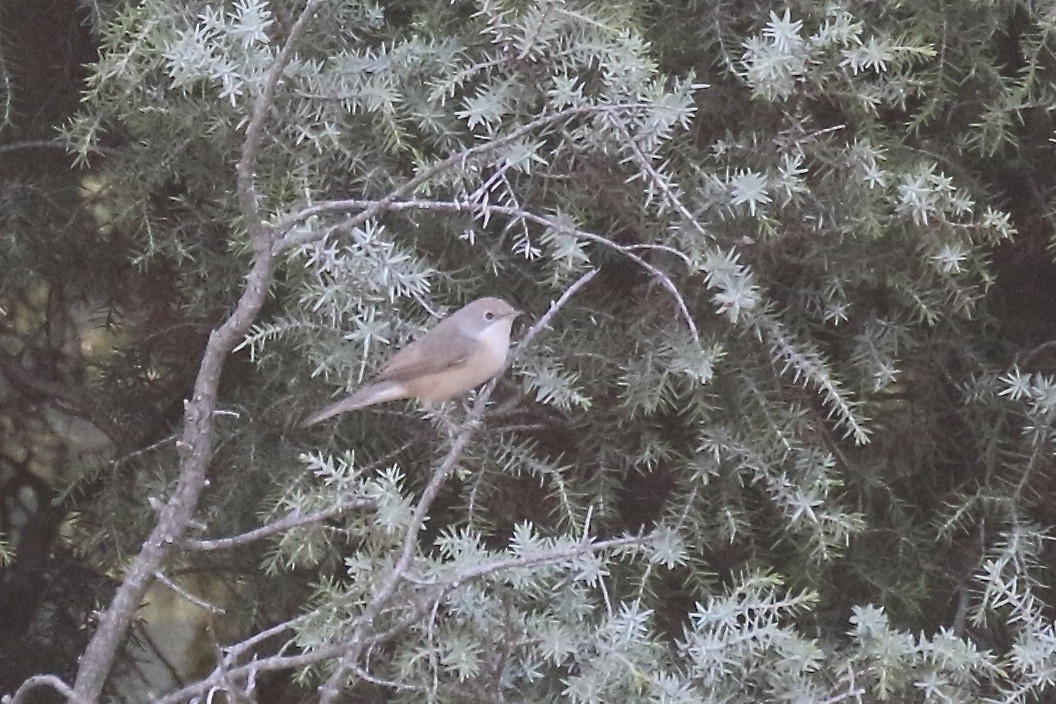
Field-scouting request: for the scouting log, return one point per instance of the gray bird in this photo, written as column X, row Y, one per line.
column 463, row 351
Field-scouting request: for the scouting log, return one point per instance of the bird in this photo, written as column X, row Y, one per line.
column 464, row 350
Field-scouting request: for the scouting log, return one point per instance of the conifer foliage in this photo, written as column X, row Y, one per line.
column 764, row 437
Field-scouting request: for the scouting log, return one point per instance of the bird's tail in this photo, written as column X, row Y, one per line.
column 367, row 396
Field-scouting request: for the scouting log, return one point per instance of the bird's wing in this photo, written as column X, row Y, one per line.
column 443, row 347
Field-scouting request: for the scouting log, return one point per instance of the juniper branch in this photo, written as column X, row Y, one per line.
column 196, row 443
column 436, row 591
column 282, row 229
column 485, row 210
column 294, row 519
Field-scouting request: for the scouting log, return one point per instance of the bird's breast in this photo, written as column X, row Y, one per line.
column 485, row 362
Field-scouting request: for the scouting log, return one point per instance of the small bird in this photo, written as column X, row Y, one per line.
column 463, row 351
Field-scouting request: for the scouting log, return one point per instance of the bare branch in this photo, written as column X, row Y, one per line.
column 196, row 443
column 1031, row 354
column 544, row 321
column 232, row 652
column 186, row 595
column 295, row 518
column 33, row 144
column 143, row 450
column 292, row 520
column 21, row 695
column 268, row 664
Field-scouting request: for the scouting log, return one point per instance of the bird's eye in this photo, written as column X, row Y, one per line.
column 489, row 316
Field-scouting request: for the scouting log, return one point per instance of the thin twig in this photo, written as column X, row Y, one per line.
column 21, row 695
column 232, row 652
column 227, row 671
column 292, row 520
column 33, row 144
column 1043, row 347
column 143, row 450
column 282, row 229
column 462, row 206
column 186, row 595
column 295, row 519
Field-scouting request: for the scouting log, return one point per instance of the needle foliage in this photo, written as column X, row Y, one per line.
column 793, row 443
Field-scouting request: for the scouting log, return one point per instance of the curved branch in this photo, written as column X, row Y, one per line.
column 292, row 520
column 377, row 207
column 196, row 444
column 21, row 695
column 485, row 210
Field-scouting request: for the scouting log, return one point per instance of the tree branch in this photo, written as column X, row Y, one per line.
column 374, row 208
column 292, row 520
column 196, row 443
column 21, row 695
column 186, row 595
column 295, row 518
column 486, row 210
column 438, row 591
column 33, row 144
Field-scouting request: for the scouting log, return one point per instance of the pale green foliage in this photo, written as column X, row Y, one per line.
column 831, row 56
column 899, row 664
column 334, row 480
